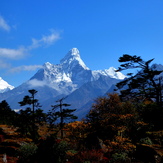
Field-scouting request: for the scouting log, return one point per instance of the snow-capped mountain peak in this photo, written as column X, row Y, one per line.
column 47, row 64
column 75, row 52
column 72, row 59
column 4, row 86
column 71, row 77
column 111, row 72
column 72, row 71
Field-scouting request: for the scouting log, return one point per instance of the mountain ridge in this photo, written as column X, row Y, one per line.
column 70, row 78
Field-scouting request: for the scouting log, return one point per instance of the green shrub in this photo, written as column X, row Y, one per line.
column 27, row 151
column 146, row 140
column 119, row 157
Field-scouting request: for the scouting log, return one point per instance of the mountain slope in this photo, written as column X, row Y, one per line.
column 82, row 99
column 70, row 78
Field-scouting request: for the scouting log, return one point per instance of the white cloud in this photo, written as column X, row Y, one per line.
column 36, row 83
column 19, row 53
column 12, row 53
column 45, row 40
column 25, row 68
column 51, row 38
column 3, row 24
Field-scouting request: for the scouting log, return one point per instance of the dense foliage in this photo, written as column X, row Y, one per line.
column 147, row 83
column 124, row 127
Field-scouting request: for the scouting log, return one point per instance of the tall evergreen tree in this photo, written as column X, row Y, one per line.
column 145, row 84
column 62, row 114
column 33, row 114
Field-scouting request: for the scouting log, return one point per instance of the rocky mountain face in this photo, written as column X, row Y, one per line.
column 71, row 78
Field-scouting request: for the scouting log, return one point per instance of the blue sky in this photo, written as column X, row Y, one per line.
column 33, row 32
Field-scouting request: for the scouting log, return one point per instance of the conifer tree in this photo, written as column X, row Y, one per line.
column 62, row 114
column 33, row 114
column 145, row 84
column 7, row 115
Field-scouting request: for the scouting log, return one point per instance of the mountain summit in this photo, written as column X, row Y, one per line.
column 65, row 77
column 70, row 78
column 4, row 86
column 70, row 74
column 73, row 59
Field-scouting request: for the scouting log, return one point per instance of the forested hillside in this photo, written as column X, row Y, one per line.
column 120, row 127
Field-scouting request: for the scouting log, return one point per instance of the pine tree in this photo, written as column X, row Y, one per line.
column 7, row 115
column 32, row 114
column 145, row 84
column 62, row 114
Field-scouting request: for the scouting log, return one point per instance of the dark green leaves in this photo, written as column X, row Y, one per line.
column 141, row 84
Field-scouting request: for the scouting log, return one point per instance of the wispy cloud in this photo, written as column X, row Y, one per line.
column 46, row 40
column 25, row 68
column 19, row 53
column 12, row 53
column 4, row 25
column 37, row 83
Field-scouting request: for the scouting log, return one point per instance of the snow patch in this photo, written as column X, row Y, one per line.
column 73, row 58
column 4, row 86
column 111, row 72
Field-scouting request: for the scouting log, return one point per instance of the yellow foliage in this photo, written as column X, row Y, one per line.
column 141, row 123
column 123, row 144
column 76, row 124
